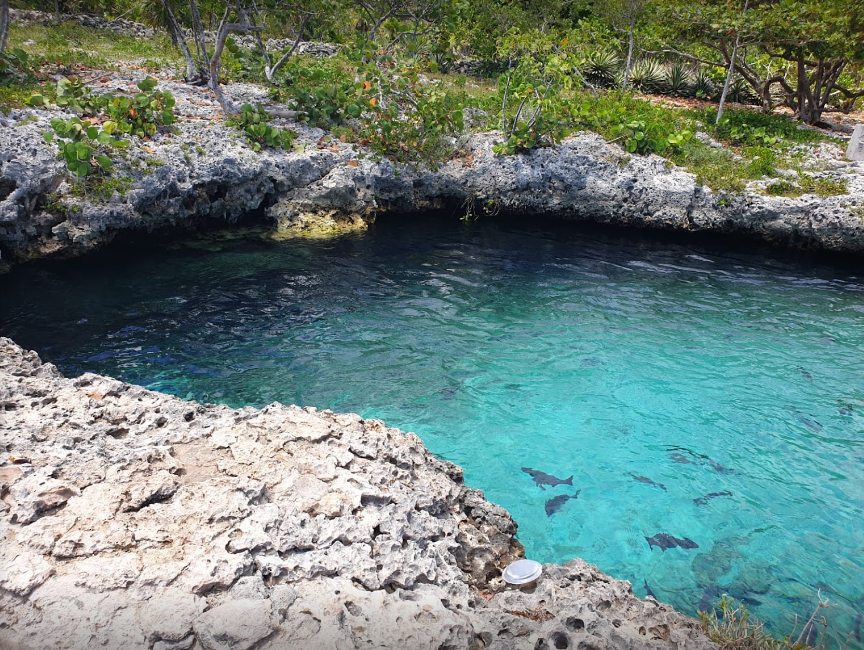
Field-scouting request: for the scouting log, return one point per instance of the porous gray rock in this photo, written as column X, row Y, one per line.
column 855, row 150
column 208, row 173
column 280, row 528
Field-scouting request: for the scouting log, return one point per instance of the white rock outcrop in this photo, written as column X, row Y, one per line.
column 132, row 519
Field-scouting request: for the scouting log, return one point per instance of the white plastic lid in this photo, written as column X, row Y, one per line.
column 521, row 572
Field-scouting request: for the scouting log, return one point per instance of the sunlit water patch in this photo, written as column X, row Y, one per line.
column 715, row 397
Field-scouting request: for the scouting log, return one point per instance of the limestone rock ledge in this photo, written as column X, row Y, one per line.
column 133, row 519
column 206, row 173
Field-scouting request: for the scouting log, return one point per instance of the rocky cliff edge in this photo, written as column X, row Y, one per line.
column 132, row 519
column 206, row 173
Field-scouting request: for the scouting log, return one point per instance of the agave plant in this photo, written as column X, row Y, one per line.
column 601, row 68
column 740, row 92
column 677, row 82
column 646, row 75
column 703, row 86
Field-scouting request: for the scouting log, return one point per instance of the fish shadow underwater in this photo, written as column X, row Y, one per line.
column 541, row 479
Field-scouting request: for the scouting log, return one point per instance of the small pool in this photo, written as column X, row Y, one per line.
column 711, row 395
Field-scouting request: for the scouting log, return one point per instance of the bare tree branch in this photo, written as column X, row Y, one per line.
column 179, row 39
column 270, row 72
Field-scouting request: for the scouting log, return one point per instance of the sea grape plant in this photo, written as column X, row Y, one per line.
column 253, row 122
column 81, row 142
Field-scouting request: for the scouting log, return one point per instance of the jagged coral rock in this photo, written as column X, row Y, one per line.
column 137, row 520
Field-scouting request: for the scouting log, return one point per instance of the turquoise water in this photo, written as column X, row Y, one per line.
column 506, row 346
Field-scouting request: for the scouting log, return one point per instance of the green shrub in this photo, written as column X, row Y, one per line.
column 601, row 68
column 253, row 122
column 533, row 110
column 703, row 85
column 14, row 62
column 677, row 81
column 646, row 75
column 79, row 143
column 731, row 626
column 139, row 115
column 741, row 92
column 783, row 188
column 402, row 115
column 762, row 162
column 70, row 93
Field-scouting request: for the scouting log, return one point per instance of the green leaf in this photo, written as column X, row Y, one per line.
column 353, row 110
column 104, row 161
column 48, row 136
column 148, row 84
column 92, row 132
column 83, row 169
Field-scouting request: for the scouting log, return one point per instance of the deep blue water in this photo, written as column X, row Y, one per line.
column 597, row 355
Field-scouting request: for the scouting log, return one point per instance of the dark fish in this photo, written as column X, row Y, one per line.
column 708, row 596
column 845, row 409
column 665, row 540
column 692, row 458
column 448, row 392
column 856, row 628
column 701, row 501
column 542, row 478
column 717, row 467
column 748, row 600
column 645, row 479
column 806, row 374
column 554, row 504
column 813, row 425
column 648, row 591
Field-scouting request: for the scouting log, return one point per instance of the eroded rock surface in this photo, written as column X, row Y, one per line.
column 132, row 519
column 207, row 173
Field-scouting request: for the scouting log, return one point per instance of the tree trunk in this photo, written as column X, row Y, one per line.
column 225, row 28
column 270, row 72
column 221, row 35
column 198, row 37
column 626, row 81
column 4, row 24
column 179, row 39
column 731, row 70
column 807, row 111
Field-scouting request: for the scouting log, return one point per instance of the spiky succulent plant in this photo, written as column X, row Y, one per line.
column 601, row 68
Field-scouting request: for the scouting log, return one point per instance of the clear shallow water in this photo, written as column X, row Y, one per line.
column 506, row 346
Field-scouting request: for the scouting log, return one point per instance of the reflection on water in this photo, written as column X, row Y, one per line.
column 708, row 405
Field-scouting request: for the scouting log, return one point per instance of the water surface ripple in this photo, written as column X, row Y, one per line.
column 616, row 360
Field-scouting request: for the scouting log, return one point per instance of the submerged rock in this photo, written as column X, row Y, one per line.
column 133, row 519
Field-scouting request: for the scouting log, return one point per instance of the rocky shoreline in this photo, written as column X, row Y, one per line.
column 133, row 519
column 207, row 173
